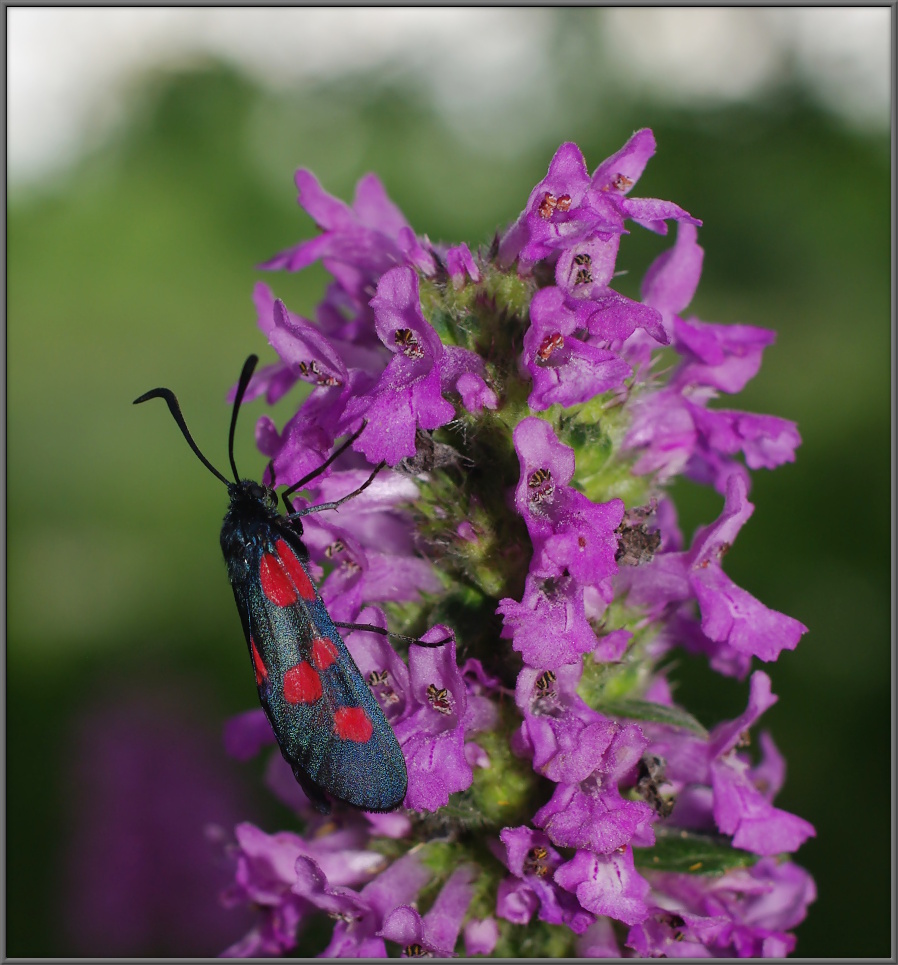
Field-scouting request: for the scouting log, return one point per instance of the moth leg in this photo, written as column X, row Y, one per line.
column 337, row 502
column 389, row 633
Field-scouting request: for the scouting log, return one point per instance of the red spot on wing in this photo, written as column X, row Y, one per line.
column 261, row 670
column 283, row 577
column 302, row 685
column 296, row 571
column 353, row 724
column 324, row 653
column 276, row 584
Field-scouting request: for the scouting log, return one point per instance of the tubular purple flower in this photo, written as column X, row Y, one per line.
column 435, row 933
column 481, row 936
column 532, row 861
column 549, row 626
column 607, row 884
column 461, row 266
column 365, row 236
column 570, row 533
column 359, row 936
column 566, row 369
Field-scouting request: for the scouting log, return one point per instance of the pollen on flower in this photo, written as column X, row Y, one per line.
column 438, row 698
column 547, row 205
column 545, row 685
column 536, row 862
column 408, row 344
column 313, row 373
column 582, row 263
column 415, row 950
column 549, row 345
column 540, row 484
column 621, row 182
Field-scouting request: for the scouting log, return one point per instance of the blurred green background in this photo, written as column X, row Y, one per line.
column 134, row 268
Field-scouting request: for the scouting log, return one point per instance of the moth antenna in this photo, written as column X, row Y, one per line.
column 245, row 375
column 333, row 456
column 174, row 407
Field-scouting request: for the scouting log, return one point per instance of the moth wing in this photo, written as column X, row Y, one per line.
column 330, row 727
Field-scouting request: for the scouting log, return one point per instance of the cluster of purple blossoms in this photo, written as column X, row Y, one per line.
column 560, row 801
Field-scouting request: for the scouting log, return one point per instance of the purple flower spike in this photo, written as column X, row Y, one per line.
column 266, row 874
column 568, row 748
column 416, row 255
column 744, row 913
column 558, row 212
column 767, row 441
column 743, row 812
column 725, row 737
column 740, row 808
column 614, row 318
column 598, row 941
column 730, row 616
column 623, row 169
column 311, row 884
column 302, row 346
column 739, row 802
column 247, row 733
column 545, row 363
column 724, row 357
column 538, row 448
column 461, row 372
column 585, row 269
column 674, row 934
column 376, row 560
column 306, row 354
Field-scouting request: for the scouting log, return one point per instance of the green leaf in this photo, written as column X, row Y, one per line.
column 689, row 853
column 635, row 709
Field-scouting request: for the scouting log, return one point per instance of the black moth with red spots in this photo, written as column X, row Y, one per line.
column 329, row 726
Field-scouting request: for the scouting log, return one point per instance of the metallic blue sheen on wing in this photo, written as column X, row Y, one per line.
column 369, row 774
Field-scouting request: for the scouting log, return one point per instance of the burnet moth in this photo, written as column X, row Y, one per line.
column 329, row 726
